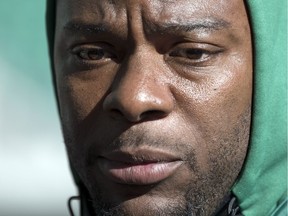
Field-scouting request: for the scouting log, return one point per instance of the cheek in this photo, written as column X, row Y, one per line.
column 77, row 100
column 215, row 107
column 218, row 97
column 80, row 94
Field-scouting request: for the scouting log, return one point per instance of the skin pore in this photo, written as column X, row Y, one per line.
column 155, row 100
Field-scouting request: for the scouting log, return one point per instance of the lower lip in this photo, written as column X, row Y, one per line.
column 137, row 174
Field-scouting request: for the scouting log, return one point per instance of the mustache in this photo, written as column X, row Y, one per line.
column 133, row 139
column 144, row 139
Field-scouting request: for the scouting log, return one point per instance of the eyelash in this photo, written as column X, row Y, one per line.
column 191, row 54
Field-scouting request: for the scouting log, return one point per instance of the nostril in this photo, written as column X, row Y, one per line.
column 153, row 115
column 117, row 114
column 148, row 115
column 145, row 116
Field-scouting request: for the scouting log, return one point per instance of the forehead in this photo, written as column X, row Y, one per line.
column 121, row 12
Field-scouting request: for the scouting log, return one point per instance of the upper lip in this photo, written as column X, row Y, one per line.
column 140, row 156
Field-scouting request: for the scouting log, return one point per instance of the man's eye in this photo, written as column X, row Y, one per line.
column 93, row 54
column 192, row 54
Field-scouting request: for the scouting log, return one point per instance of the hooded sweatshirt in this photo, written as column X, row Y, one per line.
column 261, row 188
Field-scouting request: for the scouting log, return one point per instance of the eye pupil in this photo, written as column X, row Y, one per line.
column 194, row 53
column 95, row 54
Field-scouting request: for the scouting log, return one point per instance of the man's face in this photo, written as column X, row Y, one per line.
column 155, row 101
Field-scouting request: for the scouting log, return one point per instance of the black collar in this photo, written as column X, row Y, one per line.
column 229, row 207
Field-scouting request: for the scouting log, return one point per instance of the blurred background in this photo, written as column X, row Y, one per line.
column 34, row 175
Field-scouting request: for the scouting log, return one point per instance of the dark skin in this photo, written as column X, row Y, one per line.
column 155, row 101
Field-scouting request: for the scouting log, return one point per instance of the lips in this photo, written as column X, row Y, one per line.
column 140, row 168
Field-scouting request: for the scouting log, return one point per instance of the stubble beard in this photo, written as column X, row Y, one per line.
column 193, row 204
column 203, row 195
column 199, row 200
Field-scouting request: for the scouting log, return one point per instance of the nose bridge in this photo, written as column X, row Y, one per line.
column 141, row 90
column 140, row 75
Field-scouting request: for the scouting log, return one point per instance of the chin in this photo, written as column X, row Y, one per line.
column 148, row 205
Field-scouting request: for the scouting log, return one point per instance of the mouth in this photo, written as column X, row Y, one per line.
column 143, row 167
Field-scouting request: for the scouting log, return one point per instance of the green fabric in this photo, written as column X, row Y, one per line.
column 281, row 210
column 264, row 178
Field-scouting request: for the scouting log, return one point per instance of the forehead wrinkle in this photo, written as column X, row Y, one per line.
column 88, row 10
column 168, row 16
column 112, row 2
column 91, row 17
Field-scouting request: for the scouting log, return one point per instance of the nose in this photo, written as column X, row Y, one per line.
column 140, row 92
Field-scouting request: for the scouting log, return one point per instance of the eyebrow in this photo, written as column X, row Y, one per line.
column 190, row 26
column 75, row 26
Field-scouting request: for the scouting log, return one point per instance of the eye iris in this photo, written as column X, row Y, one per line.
column 194, row 54
column 95, row 54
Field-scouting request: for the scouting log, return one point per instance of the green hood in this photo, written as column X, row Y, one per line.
column 264, row 177
column 261, row 187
